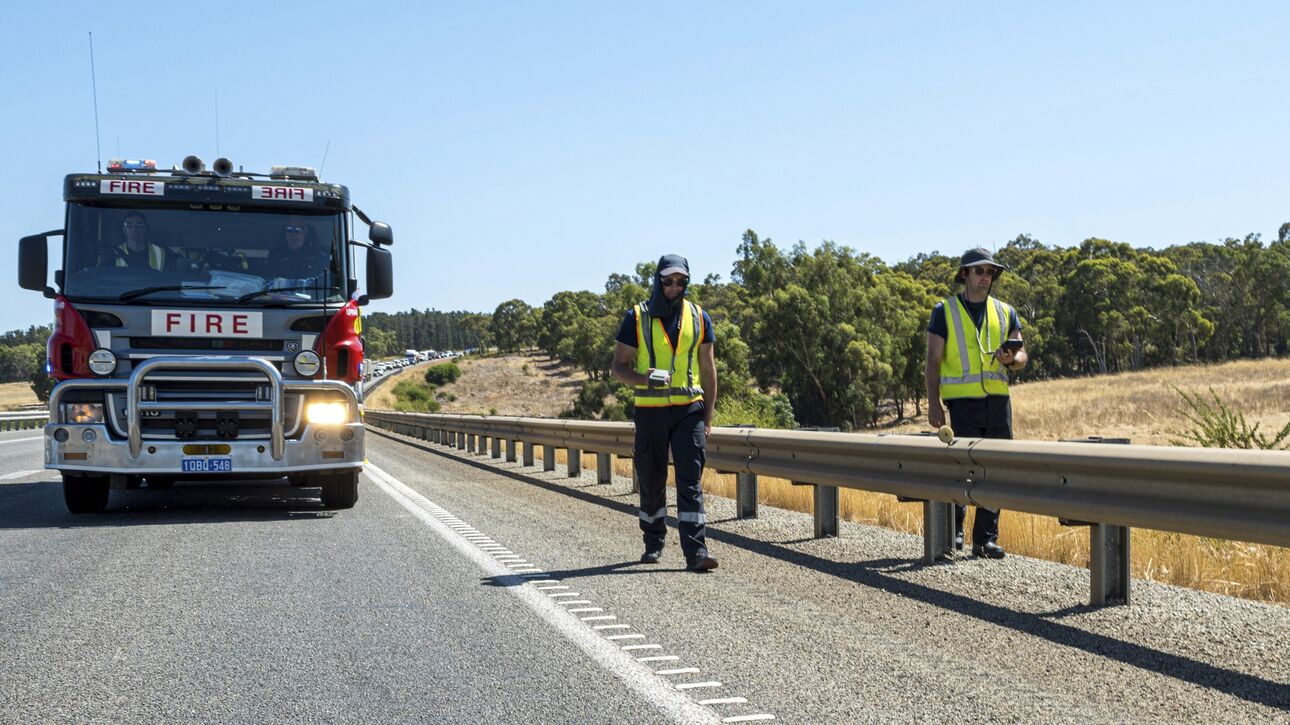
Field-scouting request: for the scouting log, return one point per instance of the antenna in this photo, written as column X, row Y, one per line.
column 323, row 165
column 94, row 84
column 217, row 123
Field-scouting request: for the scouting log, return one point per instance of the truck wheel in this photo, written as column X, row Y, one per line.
column 339, row 489
column 85, row 494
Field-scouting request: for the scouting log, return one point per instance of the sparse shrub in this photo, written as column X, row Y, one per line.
column 1217, row 426
column 443, row 374
column 413, row 397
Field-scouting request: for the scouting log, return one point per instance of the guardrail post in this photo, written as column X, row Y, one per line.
column 497, row 447
column 470, row 443
column 746, row 495
column 826, row 511
column 548, row 458
column 1109, row 554
column 449, row 438
column 510, row 450
column 938, row 530
column 529, row 447
column 461, row 441
column 636, row 481
column 604, row 468
column 574, row 462
column 1109, row 564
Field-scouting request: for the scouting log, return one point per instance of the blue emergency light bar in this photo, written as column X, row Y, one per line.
column 137, row 165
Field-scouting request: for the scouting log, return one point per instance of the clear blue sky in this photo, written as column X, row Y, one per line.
column 523, row 148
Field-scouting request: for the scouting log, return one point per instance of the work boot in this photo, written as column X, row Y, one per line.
column 651, row 556
column 988, row 550
column 958, row 541
column 702, row 561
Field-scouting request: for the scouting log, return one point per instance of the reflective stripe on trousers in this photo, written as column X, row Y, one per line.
column 679, row 430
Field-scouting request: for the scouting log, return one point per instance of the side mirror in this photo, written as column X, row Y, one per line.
column 380, row 273
column 33, row 263
column 380, row 233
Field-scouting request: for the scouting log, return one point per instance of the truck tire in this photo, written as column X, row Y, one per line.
column 339, row 489
column 85, row 494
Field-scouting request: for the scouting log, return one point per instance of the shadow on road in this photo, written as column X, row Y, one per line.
column 40, row 505
column 878, row 575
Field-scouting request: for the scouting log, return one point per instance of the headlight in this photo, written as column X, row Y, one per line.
column 82, row 412
column 326, row 414
column 102, row 362
column 307, row 363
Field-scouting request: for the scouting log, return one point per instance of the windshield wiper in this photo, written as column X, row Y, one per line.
column 270, row 290
column 132, row 294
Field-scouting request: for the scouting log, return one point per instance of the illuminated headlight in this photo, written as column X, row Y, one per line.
column 102, row 362
column 326, row 414
column 82, row 412
column 307, row 363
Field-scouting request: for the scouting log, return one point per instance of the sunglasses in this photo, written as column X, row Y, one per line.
column 295, row 230
column 978, row 271
column 673, row 282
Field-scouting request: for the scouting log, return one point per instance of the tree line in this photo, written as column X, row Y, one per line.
column 829, row 336
column 834, row 337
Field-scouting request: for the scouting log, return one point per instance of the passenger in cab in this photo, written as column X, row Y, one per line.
column 300, row 256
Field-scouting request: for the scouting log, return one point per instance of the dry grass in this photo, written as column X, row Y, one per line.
column 526, row 384
column 16, row 395
column 1140, row 406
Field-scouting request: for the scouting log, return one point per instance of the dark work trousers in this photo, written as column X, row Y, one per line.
column 988, row 417
column 678, row 428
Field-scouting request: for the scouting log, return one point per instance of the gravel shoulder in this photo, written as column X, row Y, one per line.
column 856, row 629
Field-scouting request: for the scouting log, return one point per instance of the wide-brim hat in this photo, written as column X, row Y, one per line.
column 978, row 257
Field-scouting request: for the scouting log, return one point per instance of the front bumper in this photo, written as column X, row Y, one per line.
column 319, row 447
column 104, row 455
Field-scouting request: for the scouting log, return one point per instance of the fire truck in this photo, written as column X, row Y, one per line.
column 206, row 326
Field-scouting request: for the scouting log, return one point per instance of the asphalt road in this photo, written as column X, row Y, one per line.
column 465, row 589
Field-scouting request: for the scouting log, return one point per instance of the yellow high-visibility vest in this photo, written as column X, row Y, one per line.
column 968, row 367
column 156, row 256
column 654, row 350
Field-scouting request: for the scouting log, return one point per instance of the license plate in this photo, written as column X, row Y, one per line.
column 207, row 465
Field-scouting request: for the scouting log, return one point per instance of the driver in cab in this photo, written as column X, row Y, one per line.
column 137, row 250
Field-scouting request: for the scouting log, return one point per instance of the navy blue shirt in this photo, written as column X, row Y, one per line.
column 938, row 325
column 671, row 326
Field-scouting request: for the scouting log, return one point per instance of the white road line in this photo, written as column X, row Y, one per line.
column 625, row 636
column 23, row 440
column 599, row 627
column 678, row 671
column 658, row 658
column 599, row 618
column 585, row 609
column 20, row 474
column 575, row 601
column 564, row 594
column 677, row 706
column 723, row 700
column 550, row 589
column 749, row 718
column 631, row 647
column 693, row 685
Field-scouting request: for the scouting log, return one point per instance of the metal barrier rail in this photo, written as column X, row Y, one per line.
column 1220, row 493
column 23, row 421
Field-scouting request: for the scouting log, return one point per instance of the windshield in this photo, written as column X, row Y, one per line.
column 208, row 255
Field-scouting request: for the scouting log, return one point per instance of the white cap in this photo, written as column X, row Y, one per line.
column 674, row 270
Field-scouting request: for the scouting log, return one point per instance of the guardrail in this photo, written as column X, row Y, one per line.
column 1219, row 493
column 24, row 420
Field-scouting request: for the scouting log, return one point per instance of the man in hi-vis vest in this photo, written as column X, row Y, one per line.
column 665, row 352
column 973, row 340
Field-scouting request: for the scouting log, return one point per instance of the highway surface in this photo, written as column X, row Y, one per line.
column 470, row 590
